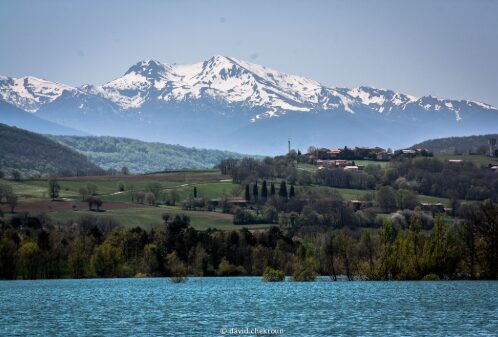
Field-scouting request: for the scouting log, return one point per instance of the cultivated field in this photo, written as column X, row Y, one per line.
column 33, row 198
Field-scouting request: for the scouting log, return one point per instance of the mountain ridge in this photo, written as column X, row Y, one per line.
column 211, row 103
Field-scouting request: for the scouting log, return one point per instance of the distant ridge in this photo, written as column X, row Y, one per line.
column 460, row 145
column 10, row 115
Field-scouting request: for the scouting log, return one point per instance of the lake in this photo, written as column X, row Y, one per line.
column 212, row 306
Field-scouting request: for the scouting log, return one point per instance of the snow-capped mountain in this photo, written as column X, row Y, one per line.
column 220, row 101
column 30, row 93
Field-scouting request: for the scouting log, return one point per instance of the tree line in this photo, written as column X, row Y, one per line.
column 35, row 247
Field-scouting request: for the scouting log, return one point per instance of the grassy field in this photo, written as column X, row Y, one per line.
column 33, row 197
column 313, row 168
column 356, row 194
column 475, row 158
column 152, row 217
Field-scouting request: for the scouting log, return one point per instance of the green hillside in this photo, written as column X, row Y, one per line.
column 140, row 157
column 33, row 154
column 460, row 145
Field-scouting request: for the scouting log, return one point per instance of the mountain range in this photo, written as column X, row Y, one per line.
column 235, row 105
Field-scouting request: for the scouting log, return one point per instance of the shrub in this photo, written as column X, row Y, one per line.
column 305, row 275
column 273, row 275
column 431, row 277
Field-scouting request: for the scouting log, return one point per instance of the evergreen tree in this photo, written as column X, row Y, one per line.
column 255, row 192
column 247, row 194
column 272, row 189
column 264, row 191
column 292, row 193
column 283, row 189
column 195, row 192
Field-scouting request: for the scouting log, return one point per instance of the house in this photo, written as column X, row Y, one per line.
column 326, row 162
column 432, row 207
column 384, row 156
column 237, row 201
column 351, row 168
column 341, row 162
column 334, row 152
column 360, row 204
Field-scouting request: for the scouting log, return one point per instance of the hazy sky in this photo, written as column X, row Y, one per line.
column 444, row 48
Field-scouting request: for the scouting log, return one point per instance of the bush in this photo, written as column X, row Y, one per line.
column 273, row 275
column 431, row 277
column 306, row 275
column 227, row 269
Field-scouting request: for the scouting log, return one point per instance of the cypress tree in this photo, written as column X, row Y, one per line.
column 264, row 191
column 247, row 194
column 283, row 189
column 292, row 193
column 272, row 189
column 255, row 191
column 195, row 192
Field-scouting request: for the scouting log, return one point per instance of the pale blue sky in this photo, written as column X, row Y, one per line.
column 444, row 48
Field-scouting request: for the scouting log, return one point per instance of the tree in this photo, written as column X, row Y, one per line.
column 12, row 201
column 174, row 196
column 386, row 198
column 93, row 201
column 438, row 251
column 407, row 199
column 29, row 259
column 5, row 190
column 53, row 188
column 150, row 197
column 125, row 171
column 16, row 175
column 92, row 189
column 78, row 259
column 282, row 192
column 292, row 193
column 264, row 191
column 272, row 189
column 247, row 195
column 106, row 260
column 7, row 258
column 195, row 192
column 83, row 192
column 255, row 192
column 270, row 214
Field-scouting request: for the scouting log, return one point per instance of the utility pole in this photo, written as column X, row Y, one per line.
column 289, row 145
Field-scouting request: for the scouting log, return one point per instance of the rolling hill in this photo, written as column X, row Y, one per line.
column 142, row 157
column 33, row 154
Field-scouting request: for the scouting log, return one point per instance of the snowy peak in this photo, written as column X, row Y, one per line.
column 150, row 69
column 261, row 91
column 29, row 93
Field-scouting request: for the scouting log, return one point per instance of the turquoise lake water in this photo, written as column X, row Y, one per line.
column 212, row 306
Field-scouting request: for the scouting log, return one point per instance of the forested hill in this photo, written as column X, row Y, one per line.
column 141, row 157
column 451, row 145
column 32, row 154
